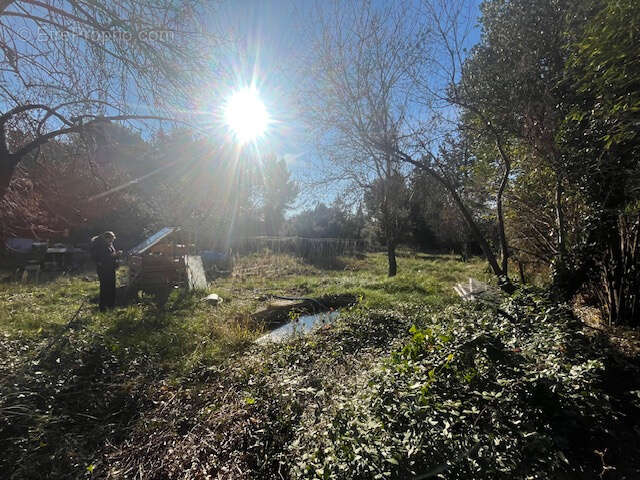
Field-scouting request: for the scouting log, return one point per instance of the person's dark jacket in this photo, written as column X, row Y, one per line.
column 104, row 255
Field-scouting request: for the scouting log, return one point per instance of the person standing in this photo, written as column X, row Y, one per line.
column 106, row 258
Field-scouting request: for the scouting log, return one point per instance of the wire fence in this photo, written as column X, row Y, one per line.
column 305, row 247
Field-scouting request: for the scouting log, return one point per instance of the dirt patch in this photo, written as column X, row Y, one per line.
column 624, row 339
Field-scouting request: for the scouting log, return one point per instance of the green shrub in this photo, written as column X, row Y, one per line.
column 472, row 393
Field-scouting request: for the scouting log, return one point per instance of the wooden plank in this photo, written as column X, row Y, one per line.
column 196, row 278
column 277, row 311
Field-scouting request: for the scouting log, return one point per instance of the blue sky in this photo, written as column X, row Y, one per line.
column 271, row 37
column 268, row 38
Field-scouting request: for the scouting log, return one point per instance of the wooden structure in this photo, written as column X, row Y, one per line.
column 164, row 260
column 278, row 309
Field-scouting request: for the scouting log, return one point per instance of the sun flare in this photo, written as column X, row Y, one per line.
column 246, row 115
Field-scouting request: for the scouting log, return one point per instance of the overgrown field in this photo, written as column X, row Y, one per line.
column 410, row 383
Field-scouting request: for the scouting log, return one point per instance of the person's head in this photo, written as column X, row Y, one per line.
column 109, row 237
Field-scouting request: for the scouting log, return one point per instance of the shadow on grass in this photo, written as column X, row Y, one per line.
column 57, row 411
column 63, row 404
column 621, row 381
column 435, row 257
column 399, row 286
column 605, row 433
column 163, row 298
column 326, row 263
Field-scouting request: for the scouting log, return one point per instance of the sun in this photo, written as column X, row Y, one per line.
column 246, row 115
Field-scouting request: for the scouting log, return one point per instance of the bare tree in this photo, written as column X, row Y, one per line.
column 68, row 66
column 359, row 63
column 383, row 78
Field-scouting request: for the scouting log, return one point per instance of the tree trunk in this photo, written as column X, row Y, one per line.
column 503, row 279
column 390, row 233
column 391, row 256
column 7, row 169
column 560, row 273
column 560, row 223
column 504, row 247
column 523, row 279
column 619, row 282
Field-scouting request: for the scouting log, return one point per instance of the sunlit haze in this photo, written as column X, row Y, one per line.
column 246, row 115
